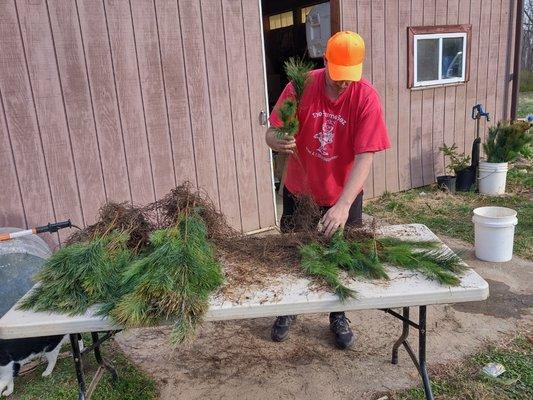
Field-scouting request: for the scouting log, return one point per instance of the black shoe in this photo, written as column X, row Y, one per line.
column 280, row 329
column 339, row 325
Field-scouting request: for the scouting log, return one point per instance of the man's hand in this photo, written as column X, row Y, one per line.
column 286, row 145
column 334, row 219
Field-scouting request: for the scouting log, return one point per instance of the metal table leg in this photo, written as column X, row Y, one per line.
column 85, row 392
column 76, row 354
column 420, row 362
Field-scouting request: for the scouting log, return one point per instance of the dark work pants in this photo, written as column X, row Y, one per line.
column 355, row 215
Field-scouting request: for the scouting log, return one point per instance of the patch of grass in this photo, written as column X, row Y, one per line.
column 467, row 382
column 132, row 384
column 451, row 215
column 525, row 103
column 526, row 81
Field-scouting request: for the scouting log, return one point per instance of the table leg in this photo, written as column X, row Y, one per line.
column 99, row 359
column 76, row 354
column 420, row 361
column 402, row 339
column 422, row 353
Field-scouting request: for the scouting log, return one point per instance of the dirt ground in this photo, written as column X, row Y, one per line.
column 237, row 360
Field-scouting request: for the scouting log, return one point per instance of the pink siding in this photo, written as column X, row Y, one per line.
column 122, row 100
column 419, row 121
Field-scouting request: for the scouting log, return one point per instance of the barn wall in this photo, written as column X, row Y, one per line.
column 419, row 121
column 122, row 100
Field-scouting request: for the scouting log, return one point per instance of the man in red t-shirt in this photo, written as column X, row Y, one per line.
column 341, row 127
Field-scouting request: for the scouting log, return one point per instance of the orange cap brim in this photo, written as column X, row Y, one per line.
column 345, row 72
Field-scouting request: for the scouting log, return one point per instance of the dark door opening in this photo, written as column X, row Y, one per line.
column 294, row 28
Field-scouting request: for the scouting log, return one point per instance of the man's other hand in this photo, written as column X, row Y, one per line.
column 334, row 219
column 285, row 145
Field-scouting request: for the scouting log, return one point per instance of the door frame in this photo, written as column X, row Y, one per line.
column 335, row 16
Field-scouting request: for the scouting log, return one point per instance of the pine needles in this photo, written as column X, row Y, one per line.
column 173, row 282
column 169, row 269
column 366, row 258
column 80, row 275
column 297, row 71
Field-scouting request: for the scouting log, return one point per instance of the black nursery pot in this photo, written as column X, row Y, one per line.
column 466, row 180
column 446, row 183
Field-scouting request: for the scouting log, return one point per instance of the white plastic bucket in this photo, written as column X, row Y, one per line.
column 492, row 177
column 494, row 233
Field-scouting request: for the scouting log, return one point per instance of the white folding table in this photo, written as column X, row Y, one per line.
column 285, row 296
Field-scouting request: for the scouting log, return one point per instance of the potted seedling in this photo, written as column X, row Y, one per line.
column 458, row 165
column 505, row 143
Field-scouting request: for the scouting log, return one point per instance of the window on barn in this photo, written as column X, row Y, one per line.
column 438, row 55
column 280, row 20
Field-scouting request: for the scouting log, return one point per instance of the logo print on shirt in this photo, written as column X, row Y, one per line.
column 325, row 137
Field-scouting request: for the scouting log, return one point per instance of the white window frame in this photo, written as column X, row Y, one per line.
column 439, row 81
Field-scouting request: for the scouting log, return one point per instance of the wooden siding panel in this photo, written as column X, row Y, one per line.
column 483, row 58
column 49, row 104
column 428, row 110
column 146, row 39
column 12, row 210
column 447, row 134
column 404, row 97
column 493, row 61
column 348, row 15
column 217, row 72
column 364, row 26
column 471, row 86
column 78, row 106
column 120, row 30
column 238, row 89
column 392, row 87
column 379, row 82
column 500, row 111
column 460, row 93
column 198, row 94
column 22, row 126
column 176, row 90
column 417, row 178
column 256, row 90
column 510, row 58
column 105, row 107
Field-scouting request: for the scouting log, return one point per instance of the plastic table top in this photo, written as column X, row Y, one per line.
column 285, row 296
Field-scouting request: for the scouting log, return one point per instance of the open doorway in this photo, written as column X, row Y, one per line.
column 294, row 28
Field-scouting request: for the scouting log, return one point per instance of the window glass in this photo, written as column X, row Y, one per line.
column 305, row 11
column 452, row 57
column 427, row 63
column 280, row 20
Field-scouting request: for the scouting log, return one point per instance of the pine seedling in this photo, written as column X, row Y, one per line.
column 315, row 263
column 80, row 275
column 297, row 71
column 173, row 281
column 425, row 257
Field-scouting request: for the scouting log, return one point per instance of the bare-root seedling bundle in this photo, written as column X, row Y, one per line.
column 144, row 266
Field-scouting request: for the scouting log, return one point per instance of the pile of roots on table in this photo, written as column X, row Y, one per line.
column 160, row 263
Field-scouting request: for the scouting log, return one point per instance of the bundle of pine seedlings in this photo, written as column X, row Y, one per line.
column 366, row 257
column 297, row 71
column 81, row 275
column 173, row 281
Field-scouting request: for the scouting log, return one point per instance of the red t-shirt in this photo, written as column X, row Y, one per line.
column 331, row 134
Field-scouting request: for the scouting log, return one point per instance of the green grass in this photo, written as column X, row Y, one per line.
column 451, row 215
column 525, row 104
column 62, row 385
column 466, row 382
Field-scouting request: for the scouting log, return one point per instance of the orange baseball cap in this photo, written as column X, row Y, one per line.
column 345, row 54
